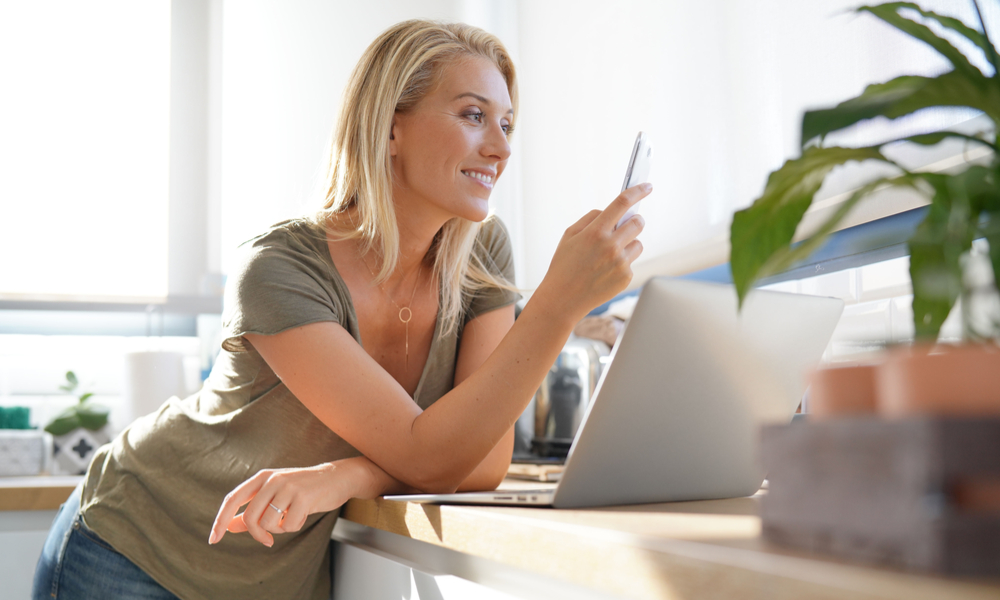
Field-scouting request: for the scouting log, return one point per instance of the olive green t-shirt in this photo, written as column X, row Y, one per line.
column 153, row 493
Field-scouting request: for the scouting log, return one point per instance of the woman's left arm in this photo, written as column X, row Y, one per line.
column 480, row 338
column 328, row 486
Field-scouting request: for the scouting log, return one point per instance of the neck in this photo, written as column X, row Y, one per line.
column 415, row 238
column 418, row 223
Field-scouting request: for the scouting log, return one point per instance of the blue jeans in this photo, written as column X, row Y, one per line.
column 78, row 565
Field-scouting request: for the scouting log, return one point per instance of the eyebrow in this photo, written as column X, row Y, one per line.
column 482, row 99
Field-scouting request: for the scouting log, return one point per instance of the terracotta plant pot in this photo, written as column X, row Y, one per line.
column 842, row 391
column 940, row 381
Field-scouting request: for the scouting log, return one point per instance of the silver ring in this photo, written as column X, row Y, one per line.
column 280, row 512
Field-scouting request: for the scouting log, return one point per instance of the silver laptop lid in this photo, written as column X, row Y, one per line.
column 677, row 412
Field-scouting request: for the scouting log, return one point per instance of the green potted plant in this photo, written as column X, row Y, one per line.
column 78, row 431
column 964, row 205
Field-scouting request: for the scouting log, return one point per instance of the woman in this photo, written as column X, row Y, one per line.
column 370, row 350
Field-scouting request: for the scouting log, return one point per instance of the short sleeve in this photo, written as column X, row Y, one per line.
column 283, row 282
column 494, row 250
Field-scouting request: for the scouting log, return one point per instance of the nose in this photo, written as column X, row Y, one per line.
column 495, row 145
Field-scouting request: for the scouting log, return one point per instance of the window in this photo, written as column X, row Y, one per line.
column 84, row 143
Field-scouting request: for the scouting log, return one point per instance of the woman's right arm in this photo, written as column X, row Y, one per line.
column 436, row 449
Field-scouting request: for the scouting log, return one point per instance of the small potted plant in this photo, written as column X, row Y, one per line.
column 964, row 205
column 77, row 432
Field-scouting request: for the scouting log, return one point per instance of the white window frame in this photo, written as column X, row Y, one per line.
column 194, row 280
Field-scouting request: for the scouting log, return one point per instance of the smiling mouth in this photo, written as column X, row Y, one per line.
column 480, row 177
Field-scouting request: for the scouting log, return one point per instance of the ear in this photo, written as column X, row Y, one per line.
column 393, row 149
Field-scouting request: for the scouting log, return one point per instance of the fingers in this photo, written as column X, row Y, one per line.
column 236, row 525
column 630, row 229
column 272, row 519
column 234, row 500
column 294, row 519
column 620, row 205
column 632, row 251
column 278, row 501
column 585, row 220
column 259, row 518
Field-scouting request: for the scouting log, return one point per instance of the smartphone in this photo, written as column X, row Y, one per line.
column 638, row 170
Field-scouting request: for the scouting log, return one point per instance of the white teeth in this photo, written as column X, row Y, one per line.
column 479, row 176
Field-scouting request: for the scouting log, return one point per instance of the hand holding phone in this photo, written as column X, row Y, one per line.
column 638, row 170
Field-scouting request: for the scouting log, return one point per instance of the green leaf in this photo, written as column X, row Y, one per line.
column 92, row 417
column 903, row 96
column 889, row 13
column 936, row 249
column 987, row 199
column 976, row 37
column 768, row 225
column 979, row 185
column 71, row 383
column 989, row 48
column 786, row 257
column 64, row 423
column 992, row 235
column 930, row 139
column 85, row 397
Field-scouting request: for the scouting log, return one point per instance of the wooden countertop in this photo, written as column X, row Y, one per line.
column 710, row 549
column 35, row 493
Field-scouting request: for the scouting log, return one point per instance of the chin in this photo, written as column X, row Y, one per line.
column 477, row 210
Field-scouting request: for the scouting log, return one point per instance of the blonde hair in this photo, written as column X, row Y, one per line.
column 394, row 74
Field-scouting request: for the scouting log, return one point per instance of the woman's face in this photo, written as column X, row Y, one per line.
column 448, row 152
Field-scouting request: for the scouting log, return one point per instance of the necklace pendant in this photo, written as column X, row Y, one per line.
column 409, row 314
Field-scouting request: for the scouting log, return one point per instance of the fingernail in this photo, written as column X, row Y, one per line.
column 269, row 543
column 213, row 538
column 647, row 186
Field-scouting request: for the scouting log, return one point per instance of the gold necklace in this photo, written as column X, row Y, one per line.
column 405, row 310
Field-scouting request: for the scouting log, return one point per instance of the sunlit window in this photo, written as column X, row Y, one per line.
column 84, row 128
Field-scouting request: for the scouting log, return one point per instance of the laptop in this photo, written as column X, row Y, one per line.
column 677, row 411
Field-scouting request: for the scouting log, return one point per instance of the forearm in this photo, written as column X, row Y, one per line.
column 461, row 429
column 493, row 469
column 371, row 481
column 438, row 448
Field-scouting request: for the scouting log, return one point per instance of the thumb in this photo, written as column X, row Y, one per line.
column 236, row 525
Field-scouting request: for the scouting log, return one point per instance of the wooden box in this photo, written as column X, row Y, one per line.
column 920, row 494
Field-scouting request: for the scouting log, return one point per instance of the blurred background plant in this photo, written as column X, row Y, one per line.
column 82, row 414
column 964, row 204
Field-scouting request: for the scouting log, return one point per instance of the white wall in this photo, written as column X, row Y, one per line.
column 719, row 84
column 285, row 64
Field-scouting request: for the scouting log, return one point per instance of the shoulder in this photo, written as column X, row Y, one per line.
column 493, row 256
column 287, row 247
column 493, row 246
column 493, row 234
column 295, row 236
column 284, row 278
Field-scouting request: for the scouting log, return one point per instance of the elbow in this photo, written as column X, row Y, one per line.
column 444, row 484
column 491, row 482
column 432, row 479
column 436, row 485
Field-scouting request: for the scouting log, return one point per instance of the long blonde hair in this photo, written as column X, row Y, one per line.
column 394, row 74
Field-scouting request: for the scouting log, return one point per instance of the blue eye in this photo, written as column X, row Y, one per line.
column 478, row 116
